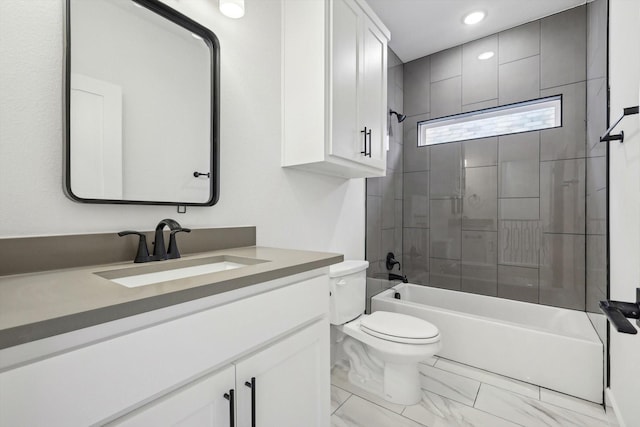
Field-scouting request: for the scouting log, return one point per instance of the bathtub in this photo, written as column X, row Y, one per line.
column 547, row 346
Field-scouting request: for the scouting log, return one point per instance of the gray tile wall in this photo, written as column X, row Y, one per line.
column 387, row 202
column 520, row 216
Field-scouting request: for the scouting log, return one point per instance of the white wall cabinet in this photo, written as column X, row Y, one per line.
column 334, row 88
column 177, row 372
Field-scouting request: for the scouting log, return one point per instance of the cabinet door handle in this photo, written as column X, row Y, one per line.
column 230, row 397
column 369, row 134
column 252, row 386
column 364, row 134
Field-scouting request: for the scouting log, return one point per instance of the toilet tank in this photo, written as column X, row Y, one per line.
column 348, row 281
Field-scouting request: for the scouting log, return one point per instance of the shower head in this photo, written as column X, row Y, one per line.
column 399, row 116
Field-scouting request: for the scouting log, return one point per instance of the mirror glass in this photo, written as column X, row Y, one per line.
column 141, row 88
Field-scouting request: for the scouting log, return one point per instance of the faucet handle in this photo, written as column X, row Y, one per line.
column 173, row 251
column 143, row 251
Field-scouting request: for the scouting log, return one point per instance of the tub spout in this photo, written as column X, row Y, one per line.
column 398, row 277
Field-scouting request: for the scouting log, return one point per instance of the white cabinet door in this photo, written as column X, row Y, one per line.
column 199, row 404
column 291, row 382
column 346, row 140
column 373, row 92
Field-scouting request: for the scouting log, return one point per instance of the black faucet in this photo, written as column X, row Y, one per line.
column 159, row 251
column 398, row 277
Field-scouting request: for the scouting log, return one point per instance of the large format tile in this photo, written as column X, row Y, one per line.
column 480, row 152
column 487, row 377
column 479, row 272
column 480, row 203
column 449, row 385
column 529, row 412
column 519, row 165
column 563, row 48
column 513, row 87
column 479, row 77
column 338, row 397
column 357, row 412
column 437, row 411
column 596, row 271
column 568, row 141
column 597, row 23
column 446, row 171
column 518, row 283
column 339, row 378
column 374, row 227
column 415, row 158
column 446, row 97
column 596, row 195
column 596, row 116
column 562, row 196
column 519, row 42
column 573, row 403
column 416, row 199
column 417, row 85
column 476, row 106
column 388, row 198
column 415, row 255
column 444, row 273
column 562, row 270
column 446, row 228
column 446, row 64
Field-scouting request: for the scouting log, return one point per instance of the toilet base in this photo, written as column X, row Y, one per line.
column 393, row 382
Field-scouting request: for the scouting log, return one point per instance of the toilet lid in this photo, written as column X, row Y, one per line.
column 398, row 327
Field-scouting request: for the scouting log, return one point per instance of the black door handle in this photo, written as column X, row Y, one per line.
column 230, row 397
column 252, row 386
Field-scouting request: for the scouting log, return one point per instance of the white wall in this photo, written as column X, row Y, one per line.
column 624, row 214
column 291, row 209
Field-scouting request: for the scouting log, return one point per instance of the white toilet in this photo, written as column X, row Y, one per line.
column 383, row 348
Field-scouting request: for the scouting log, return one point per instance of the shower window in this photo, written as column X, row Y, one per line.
column 537, row 114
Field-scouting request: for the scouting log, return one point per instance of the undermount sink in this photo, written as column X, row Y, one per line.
column 163, row 272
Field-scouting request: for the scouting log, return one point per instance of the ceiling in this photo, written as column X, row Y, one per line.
column 422, row 27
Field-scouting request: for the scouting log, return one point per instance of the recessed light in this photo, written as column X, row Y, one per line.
column 474, row 17
column 232, row 8
column 486, row 55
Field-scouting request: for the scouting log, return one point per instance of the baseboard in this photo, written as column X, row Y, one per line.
column 613, row 405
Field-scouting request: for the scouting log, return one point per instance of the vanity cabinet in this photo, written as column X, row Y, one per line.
column 283, row 385
column 177, row 372
column 334, row 88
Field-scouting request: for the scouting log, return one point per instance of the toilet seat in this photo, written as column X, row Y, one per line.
column 399, row 328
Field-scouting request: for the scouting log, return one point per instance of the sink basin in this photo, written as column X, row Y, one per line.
column 161, row 272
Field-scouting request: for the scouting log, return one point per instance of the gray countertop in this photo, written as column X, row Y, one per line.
column 39, row 305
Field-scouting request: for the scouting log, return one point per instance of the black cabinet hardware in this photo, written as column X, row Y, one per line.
column 199, row 174
column 252, row 386
column 364, row 141
column 230, row 397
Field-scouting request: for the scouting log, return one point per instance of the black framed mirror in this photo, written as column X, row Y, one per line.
column 141, row 105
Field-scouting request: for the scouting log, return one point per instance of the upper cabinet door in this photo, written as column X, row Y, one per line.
column 373, row 93
column 345, row 138
column 334, row 122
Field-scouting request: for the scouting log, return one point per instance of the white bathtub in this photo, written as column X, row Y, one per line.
column 551, row 347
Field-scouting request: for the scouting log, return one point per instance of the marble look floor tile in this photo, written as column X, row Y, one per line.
column 529, row 412
column 340, row 379
column 338, row 397
column 573, row 403
column 438, row 411
column 447, row 384
column 357, row 412
column 487, row 377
